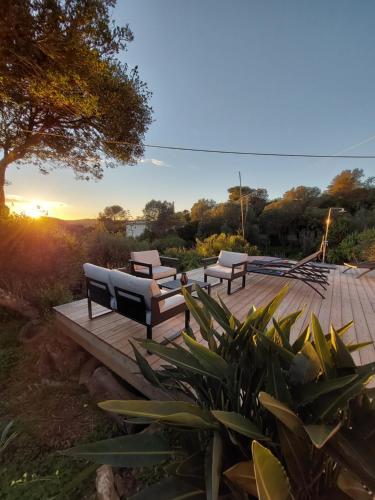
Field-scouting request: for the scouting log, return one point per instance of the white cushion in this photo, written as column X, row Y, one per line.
column 100, row 274
column 218, row 271
column 227, row 259
column 146, row 287
column 171, row 302
column 158, row 272
column 148, row 257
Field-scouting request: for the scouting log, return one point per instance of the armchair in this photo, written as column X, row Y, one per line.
column 228, row 266
column 148, row 264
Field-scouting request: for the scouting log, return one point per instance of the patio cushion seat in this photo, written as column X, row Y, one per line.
column 148, row 257
column 101, row 274
column 218, row 271
column 158, row 272
column 142, row 286
column 171, row 302
column 227, row 259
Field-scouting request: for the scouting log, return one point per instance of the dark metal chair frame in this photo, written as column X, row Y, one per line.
column 303, row 270
column 368, row 265
column 242, row 273
column 132, row 305
column 134, row 263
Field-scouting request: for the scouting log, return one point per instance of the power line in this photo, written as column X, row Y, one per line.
column 218, row 151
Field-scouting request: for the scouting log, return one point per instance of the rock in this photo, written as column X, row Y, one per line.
column 67, row 359
column 102, row 386
column 105, row 484
column 18, row 304
column 87, row 370
column 120, row 484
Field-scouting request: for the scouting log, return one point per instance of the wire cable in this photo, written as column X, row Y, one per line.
column 216, row 151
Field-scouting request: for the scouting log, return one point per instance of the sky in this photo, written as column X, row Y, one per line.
column 291, row 76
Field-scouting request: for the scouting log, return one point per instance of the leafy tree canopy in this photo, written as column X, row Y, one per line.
column 347, row 181
column 59, row 76
column 114, row 213
column 201, row 208
column 160, row 216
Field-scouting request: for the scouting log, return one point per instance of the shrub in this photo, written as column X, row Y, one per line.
column 306, row 401
column 188, row 259
column 355, row 247
column 111, row 249
column 37, row 254
column 170, row 241
column 211, row 246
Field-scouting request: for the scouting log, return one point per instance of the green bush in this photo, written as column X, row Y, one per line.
column 111, row 249
column 355, row 247
column 305, row 400
column 170, row 241
column 188, row 258
column 211, row 246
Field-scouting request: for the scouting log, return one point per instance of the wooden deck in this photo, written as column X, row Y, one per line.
column 107, row 337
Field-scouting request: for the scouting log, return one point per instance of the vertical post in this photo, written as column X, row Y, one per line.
column 241, row 202
column 325, row 237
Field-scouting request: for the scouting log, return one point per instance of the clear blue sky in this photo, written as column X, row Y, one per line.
column 272, row 76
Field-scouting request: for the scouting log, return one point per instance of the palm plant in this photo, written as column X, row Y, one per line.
column 305, row 400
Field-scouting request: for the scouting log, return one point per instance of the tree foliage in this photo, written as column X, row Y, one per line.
column 63, row 92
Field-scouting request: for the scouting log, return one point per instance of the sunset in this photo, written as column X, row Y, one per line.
column 187, row 250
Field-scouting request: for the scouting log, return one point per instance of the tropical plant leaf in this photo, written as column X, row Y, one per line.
column 144, row 366
column 312, row 391
column 243, row 476
column 178, row 357
column 303, row 337
column 341, row 354
column 173, row 412
column 282, row 412
column 201, row 315
column 360, row 345
column 322, row 347
column 210, row 361
column 351, row 486
column 270, row 309
column 271, row 479
column 341, row 331
column 321, row 434
column 238, row 423
column 213, row 463
column 134, row 450
column 171, row 488
column 305, row 366
column 275, row 384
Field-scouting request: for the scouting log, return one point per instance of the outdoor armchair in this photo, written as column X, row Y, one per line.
column 228, row 266
column 148, row 264
column 139, row 299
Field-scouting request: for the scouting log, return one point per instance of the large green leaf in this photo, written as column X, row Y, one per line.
column 270, row 309
column 275, row 383
column 213, row 463
column 305, row 366
column 171, row 488
column 321, row 434
column 134, row 450
column 200, row 314
column 282, row 412
column 327, row 405
column 310, row 392
column 238, row 423
column 144, row 366
column 178, row 357
column 210, row 361
column 360, row 345
column 341, row 331
column 173, row 412
column 322, row 347
column 272, row 481
column 217, row 312
column 242, row 475
column 341, row 354
column 303, row 337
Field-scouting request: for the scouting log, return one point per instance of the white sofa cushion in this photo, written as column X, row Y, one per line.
column 218, row 271
column 158, row 272
column 148, row 257
column 171, row 302
column 227, row 259
column 146, row 287
column 100, row 274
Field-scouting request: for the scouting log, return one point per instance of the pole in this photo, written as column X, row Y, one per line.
column 325, row 237
column 242, row 222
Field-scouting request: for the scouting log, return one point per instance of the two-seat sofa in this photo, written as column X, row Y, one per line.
column 139, row 299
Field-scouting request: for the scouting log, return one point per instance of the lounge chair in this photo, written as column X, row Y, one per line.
column 304, row 270
column 228, row 266
column 368, row 265
column 139, row 299
column 148, row 264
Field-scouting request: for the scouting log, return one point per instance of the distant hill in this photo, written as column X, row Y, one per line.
column 76, row 222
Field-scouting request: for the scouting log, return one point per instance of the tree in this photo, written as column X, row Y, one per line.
column 160, row 217
column 201, row 208
column 63, row 92
column 255, row 198
column 114, row 213
column 346, row 182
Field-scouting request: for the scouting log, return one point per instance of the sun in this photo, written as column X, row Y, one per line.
column 35, row 209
